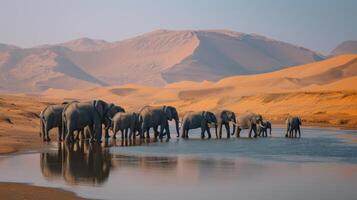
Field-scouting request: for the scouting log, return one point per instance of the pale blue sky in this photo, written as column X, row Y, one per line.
column 316, row 24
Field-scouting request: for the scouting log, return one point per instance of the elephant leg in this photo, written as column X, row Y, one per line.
column 106, row 130
column 68, row 136
column 270, row 131
column 228, row 130
column 126, row 133
column 148, row 133
column 255, row 132
column 202, row 132
column 208, row 132
column 59, row 133
column 92, row 138
column 161, row 132
column 114, row 134
column 296, row 130
column 299, row 132
column 77, row 135
column 122, row 134
column 156, row 132
column 48, row 135
column 186, row 135
column 238, row 132
column 134, row 134
column 81, row 133
column 167, row 130
column 219, row 134
column 250, row 132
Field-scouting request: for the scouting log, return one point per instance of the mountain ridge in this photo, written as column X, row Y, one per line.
column 155, row 58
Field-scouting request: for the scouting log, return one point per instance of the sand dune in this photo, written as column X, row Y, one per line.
column 322, row 92
column 156, row 59
column 31, row 70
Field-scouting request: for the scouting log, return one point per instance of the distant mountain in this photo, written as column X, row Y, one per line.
column 37, row 69
column 346, row 47
column 154, row 58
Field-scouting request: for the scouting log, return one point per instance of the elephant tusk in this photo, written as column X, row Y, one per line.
column 234, row 123
column 212, row 125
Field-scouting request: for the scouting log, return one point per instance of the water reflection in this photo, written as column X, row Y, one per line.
column 85, row 162
column 81, row 162
column 90, row 164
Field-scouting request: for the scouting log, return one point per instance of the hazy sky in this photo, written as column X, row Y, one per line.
column 316, row 24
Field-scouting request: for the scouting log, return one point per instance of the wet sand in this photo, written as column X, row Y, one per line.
column 16, row 191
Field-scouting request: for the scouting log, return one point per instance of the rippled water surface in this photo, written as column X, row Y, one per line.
column 318, row 166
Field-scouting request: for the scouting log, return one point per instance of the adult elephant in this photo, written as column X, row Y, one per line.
column 293, row 125
column 202, row 119
column 225, row 117
column 113, row 109
column 249, row 121
column 51, row 117
column 76, row 116
column 155, row 116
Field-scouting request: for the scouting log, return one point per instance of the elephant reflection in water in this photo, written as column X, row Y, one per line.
column 80, row 162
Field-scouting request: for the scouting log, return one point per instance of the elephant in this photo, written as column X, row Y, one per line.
column 93, row 114
column 85, row 132
column 125, row 121
column 154, row 116
column 113, row 109
column 51, row 117
column 263, row 128
column 224, row 117
column 249, row 121
column 201, row 119
column 293, row 125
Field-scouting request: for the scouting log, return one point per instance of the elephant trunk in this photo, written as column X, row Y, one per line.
column 234, row 125
column 177, row 127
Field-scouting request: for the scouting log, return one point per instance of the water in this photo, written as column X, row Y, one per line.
column 317, row 166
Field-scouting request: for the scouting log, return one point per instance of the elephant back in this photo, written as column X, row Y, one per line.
column 244, row 120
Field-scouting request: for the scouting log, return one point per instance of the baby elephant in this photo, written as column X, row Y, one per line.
column 263, row 128
column 125, row 121
column 201, row 120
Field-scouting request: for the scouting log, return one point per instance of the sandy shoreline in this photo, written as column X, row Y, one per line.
column 15, row 191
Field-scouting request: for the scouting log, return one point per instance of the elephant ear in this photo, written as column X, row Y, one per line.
column 233, row 117
column 203, row 114
column 120, row 109
column 168, row 111
column 212, row 117
column 224, row 116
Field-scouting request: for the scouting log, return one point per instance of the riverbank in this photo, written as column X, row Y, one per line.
column 19, row 121
column 16, row 191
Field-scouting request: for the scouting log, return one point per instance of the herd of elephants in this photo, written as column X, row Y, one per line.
column 76, row 120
